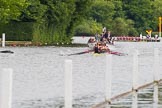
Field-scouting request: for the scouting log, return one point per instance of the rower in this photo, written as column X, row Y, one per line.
column 106, row 48
column 96, row 48
column 101, row 48
column 91, row 40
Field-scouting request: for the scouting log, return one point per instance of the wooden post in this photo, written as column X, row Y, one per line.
column 6, row 88
column 68, row 83
column 108, row 77
column 3, row 40
column 160, row 18
column 135, row 79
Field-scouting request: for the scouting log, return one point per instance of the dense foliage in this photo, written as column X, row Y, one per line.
column 56, row 21
column 11, row 9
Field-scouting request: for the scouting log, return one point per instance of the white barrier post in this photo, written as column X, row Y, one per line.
column 135, row 79
column 135, row 99
column 156, row 76
column 68, row 83
column 6, row 88
column 108, row 77
column 156, row 64
column 155, row 95
column 3, row 40
column 135, row 70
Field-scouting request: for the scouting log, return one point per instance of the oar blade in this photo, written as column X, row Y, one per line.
column 84, row 52
column 117, row 53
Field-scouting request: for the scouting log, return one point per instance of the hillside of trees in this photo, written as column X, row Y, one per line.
column 56, row 21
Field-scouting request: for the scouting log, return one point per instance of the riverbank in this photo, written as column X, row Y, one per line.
column 29, row 43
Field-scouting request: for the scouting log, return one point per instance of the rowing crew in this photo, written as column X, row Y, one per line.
column 101, row 48
column 105, row 40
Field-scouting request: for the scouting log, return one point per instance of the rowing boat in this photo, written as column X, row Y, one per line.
column 98, row 54
column 92, row 44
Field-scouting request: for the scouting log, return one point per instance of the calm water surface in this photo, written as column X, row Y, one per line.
column 38, row 80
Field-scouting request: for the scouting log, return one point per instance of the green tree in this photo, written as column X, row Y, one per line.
column 140, row 11
column 123, row 27
column 11, row 9
column 102, row 11
column 119, row 12
column 157, row 12
column 55, row 20
column 88, row 28
column 82, row 7
column 34, row 12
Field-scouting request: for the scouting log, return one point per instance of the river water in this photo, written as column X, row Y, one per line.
column 38, row 79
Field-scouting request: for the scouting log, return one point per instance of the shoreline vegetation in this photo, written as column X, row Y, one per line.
column 57, row 21
column 30, row 43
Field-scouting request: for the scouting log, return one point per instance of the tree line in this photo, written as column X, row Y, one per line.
column 56, row 21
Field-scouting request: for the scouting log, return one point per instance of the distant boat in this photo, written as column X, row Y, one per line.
column 6, row 51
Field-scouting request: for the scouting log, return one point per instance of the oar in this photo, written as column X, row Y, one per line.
column 117, row 53
column 84, row 52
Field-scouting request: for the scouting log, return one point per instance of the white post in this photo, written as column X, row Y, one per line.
column 135, row 99
column 108, row 77
column 156, row 64
column 68, row 83
column 155, row 95
column 135, row 79
column 156, row 76
column 135, row 70
column 3, row 40
column 6, row 88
